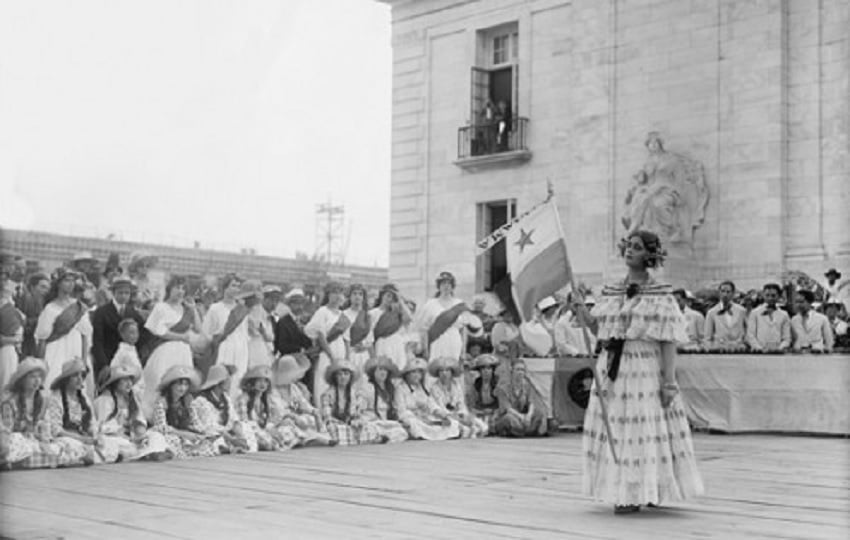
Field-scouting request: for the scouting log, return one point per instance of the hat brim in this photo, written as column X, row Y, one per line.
column 391, row 369
column 434, row 369
column 231, row 369
column 57, row 382
column 289, row 377
column 194, row 382
column 12, row 385
column 113, row 379
column 331, row 373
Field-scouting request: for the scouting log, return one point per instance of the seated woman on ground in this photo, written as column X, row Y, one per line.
column 342, row 407
column 380, row 401
column 70, row 416
column 217, row 415
column 123, row 427
column 175, row 418
column 418, row 412
column 295, row 417
column 482, row 400
column 25, row 441
column 518, row 416
column 448, row 392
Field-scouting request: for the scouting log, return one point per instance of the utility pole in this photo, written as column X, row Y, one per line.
column 330, row 221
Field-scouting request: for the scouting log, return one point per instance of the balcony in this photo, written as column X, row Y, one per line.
column 481, row 146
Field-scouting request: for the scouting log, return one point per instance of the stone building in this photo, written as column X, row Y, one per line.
column 722, row 124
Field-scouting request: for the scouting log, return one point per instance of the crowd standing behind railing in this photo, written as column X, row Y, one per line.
column 98, row 368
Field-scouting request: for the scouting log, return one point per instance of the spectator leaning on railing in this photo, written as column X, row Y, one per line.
column 768, row 327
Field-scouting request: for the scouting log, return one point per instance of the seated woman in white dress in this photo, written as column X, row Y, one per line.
column 380, row 404
column 342, row 407
column 123, row 428
column 258, row 409
column 175, row 418
column 70, row 415
column 418, row 412
column 448, row 392
column 296, row 419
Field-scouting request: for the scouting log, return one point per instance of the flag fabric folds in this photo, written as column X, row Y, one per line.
column 537, row 257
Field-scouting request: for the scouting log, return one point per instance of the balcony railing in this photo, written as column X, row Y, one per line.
column 499, row 140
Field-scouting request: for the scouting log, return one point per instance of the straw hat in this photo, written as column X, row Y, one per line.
column 25, row 367
column 485, row 360
column 83, row 256
column 121, row 371
column 251, row 287
column 330, row 372
column 138, row 258
column 122, row 279
column 443, row 362
column 69, row 369
column 217, row 375
column 67, row 273
column 414, row 364
column 381, row 362
column 294, row 292
column 269, row 290
column 175, row 373
column 833, row 272
column 287, row 369
column 256, row 372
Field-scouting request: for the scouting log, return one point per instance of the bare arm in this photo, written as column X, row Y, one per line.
column 669, row 387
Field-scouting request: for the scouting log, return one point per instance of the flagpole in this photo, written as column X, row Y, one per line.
column 586, row 333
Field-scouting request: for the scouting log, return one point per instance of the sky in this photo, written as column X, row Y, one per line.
column 222, row 122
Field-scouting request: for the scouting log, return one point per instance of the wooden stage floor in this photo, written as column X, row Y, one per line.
column 758, row 486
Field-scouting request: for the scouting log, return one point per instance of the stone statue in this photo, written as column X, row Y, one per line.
column 669, row 195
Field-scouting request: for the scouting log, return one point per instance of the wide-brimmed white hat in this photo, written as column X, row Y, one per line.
column 175, row 373
column 287, row 369
column 121, row 371
column 444, row 362
column 25, row 367
column 330, row 372
column 256, row 372
column 69, row 369
column 414, row 364
column 83, row 256
column 384, row 362
column 485, row 360
column 294, row 292
column 249, row 288
column 218, row 374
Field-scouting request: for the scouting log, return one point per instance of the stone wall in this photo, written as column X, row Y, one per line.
column 754, row 90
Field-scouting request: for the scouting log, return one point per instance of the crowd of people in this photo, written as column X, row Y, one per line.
column 98, row 374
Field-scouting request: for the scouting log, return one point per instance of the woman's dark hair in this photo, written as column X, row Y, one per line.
column 220, row 404
column 263, row 414
column 344, row 415
column 178, row 412
column 175, row 281
column 332, row 286
column 228, row 279
column 358, row 287
column 36, row 278
column 81, row 427
column 421, row 383
column 655, row 254
column 132, row 405
column 37, row 405
column 727, row 282
column 387, row 394
column 494, row 383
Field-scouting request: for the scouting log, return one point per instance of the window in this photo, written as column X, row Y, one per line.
column 492, row 265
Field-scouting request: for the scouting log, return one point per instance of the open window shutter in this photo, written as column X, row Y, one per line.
column 515, row 90
column 480, row 93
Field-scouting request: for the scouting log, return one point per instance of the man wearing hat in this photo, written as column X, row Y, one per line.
column 289, row 333
column 105, row 335
column 831, row 285
column 272, row 297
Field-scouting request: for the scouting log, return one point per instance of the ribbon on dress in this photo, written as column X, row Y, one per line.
column 338, row 329
column 444, row 321
column 360, row 328
column 388, row 324
column 67, row 320
column 11, row 320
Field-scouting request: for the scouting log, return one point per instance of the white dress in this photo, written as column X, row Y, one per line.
column 393, row 346
column 234, row 349
column 321, row 323
column 260, row 337
column 9, row 358
column 171, row 353
column 450, row 344
column 65, row 348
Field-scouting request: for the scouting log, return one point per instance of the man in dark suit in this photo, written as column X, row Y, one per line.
column 105, row 336
column 289, row 336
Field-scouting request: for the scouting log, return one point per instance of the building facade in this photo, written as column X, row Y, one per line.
column 721, row 124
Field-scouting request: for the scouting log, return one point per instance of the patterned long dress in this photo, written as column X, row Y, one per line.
column 78, row 451
column 348, row 430
column 260, row 420
column 453, row 400
column 181, row 447
column 293, row 416
column 377, row 411
column 224, row 419
column 24, row 438
column 125, row 435
column 483, row 403
column 422, row 416
column 653, row 444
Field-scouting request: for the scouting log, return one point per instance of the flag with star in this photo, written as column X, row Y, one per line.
column 537, row 257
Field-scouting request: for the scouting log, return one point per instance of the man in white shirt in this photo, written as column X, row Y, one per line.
column 726, row 323
column 569, row 336
column 695, row 322
column 768, row 327
column 839, row 327
column 810, row 329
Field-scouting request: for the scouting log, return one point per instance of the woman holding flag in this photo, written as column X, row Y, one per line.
column 653, row 458
column 390, row 316
column 442, row 320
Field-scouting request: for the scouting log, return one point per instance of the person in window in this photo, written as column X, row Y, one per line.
column 504, row 123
